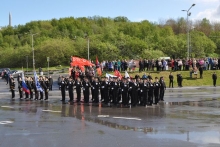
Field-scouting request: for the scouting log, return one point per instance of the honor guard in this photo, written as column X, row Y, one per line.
column 12, row 87
column 70, row 85
column 78, row 85
column 150, row 92
column 86, row 91
column 162, row 88
column 156, row 90
column 96, row 90
column 20, row 88
column 63, row 88
column 124, row 90
column 46, row 88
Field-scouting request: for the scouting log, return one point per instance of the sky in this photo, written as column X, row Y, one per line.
column 24, row 11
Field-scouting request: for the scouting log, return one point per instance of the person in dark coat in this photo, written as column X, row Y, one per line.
column 171, row 80
column 214, row 78
column 86, row 92
column 63, row 89
column 96, row 90
column 162, row 88
column 156, row 91
column 70, row 85
column 78, row 85
column 134, row 92
column 201, row 71
column 12, row 88
column 51, row 83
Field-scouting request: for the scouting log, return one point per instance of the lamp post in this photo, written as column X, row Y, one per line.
column 88, row 48
column 188, row 14
column 32, row 42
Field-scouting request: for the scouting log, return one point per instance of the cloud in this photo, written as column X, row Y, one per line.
column 211, row 14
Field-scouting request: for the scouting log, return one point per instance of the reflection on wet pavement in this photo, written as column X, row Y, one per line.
column 190, row 115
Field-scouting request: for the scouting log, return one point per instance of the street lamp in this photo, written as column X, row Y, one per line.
column 188, row 14
column 32, row 42
column 87, row 36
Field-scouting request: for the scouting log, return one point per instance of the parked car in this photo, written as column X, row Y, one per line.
column 15, row 73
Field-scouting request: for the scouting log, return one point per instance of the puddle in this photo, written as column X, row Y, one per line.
column 208, row 137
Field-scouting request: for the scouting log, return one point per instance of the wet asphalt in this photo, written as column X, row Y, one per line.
column 189, row 116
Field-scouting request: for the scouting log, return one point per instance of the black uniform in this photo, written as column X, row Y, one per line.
column 46, row 89
column 31, row 88
column 96, row 87
column 134, row 93
column 78, row 85
column 171, row 81
column 26, row 93
column 36, row 91
column 20, row 88
column 179, row 80
column 150, row 93
column 114, row 88
column 12, row 87
column 51, row 84
column 86, row 91
column 71, row 95
column 156, row 92
column 162, row 89
column 104, row 88
column 214, row 78
column 124, row 90
column 63, row 88
column 145, row 90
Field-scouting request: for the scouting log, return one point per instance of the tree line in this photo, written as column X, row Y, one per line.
column 109, row 39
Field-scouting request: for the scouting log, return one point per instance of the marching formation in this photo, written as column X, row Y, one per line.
column 134, row 91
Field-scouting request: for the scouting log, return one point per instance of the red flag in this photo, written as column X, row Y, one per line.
column 97, row 61
column 76, row 61
column 118, row 74
column 99, row 71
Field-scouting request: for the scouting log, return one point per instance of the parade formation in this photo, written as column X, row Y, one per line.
column 127, row 91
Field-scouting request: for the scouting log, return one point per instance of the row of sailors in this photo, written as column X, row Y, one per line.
column 31, row 86
column 112, row 90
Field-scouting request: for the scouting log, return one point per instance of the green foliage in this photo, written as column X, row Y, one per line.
column 109, row 39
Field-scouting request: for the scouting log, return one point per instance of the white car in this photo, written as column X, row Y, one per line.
column 15, row 73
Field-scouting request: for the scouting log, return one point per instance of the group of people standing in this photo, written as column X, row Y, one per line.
column 127, row 91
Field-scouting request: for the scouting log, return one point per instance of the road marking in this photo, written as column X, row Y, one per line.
column 130, row 118
column 7, row 107
column 5, row 122
column 103, row 115
column 51, row 111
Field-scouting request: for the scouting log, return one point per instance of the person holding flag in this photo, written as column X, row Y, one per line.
column 25, row 87
column 38, row 87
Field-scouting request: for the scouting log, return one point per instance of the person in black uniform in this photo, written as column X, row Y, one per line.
column 12, row 87
column 124, row 89
column 102, row 88
column 171, row 80
column 70, row 85
column 162, row 88
column 51, row 83
column 41, row 84
column 92, row 87
column 214, row 78
column 150, row 92
column 46, row 88
column 20, row 88
column 106, row 91
column 114, row 88
column 86, row 91
column 201, row 71
column 63, row 89
column 30, row 87
column 144, row 90
column 78, row 85
column 134, row 92
column 140, row 94
column 156, row 90
column 96, row 90
column 36, row 92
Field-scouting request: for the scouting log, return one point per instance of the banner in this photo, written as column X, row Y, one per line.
column 126, row 75
column 118, row 74
column 76, row 61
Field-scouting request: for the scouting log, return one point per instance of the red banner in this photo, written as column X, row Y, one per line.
column 118, row 74
column 76, row 61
